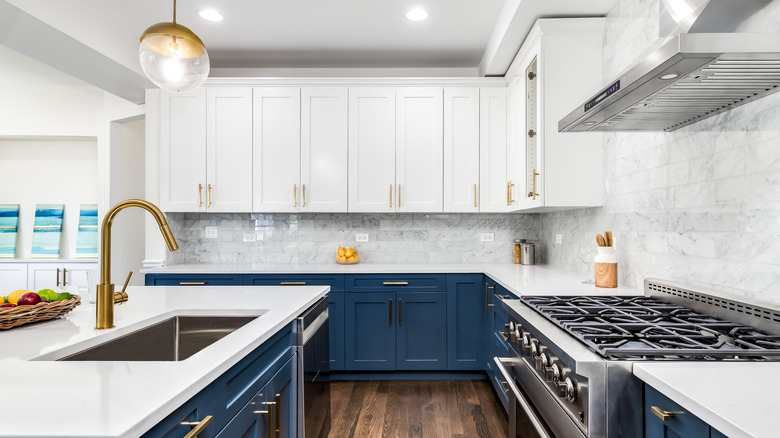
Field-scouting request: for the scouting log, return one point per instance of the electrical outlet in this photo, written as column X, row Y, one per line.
column 559, row 239
column 211, row 232
column 486, row 237
column 361, row 237
column 250, row 237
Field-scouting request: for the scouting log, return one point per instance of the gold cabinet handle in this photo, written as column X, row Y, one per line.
column 192, row 283
column 487, row 296
column 304, row 195
column 475, row 195
column 395, row 283
column 511, row 198
column 391, row 195
column 295, row 195
column 400, row 311
column 662, row 414
column 271, row 408
column 208, row 196
column 293, row 283
column 278, row 415
column 390, row 318
column 64, row 276
column 58, row 276
column 200, row 195
column 197, row 426
column 399, row 195
column 533, row 193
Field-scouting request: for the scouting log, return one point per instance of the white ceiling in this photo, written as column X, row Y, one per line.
column 479, row 35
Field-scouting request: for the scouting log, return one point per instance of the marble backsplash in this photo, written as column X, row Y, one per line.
column 314, row 238
column 700, row 205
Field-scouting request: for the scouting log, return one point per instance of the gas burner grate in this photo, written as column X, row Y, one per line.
column 631, row 327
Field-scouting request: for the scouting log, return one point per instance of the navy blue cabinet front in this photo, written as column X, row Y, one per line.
column 466, row 316
column 176, row 425
column 666, row 419
column 421, row 342
column 193, row 279
column 336, row 330
column 369, row 331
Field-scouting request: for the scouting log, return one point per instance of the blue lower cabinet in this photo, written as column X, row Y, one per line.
column 680, row 424
column 421, row 333
column 194, row 279
column 336, row 330
column 369, row 331
column 270, row 413
column 466, row 314
column 335, row 281
column 193, row 411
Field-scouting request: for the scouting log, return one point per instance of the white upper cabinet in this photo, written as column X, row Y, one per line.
column 183, row 151
column 372, row 149
column 461, row 149
column 556, row 69
column 324, row 149
column 229, row 149
column 419, row 149
column 277, row 149
column 206, row 150
column 495, row 186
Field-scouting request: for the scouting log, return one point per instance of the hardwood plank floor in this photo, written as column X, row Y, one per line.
column 416, row 409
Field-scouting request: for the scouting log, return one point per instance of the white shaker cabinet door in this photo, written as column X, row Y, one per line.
column 372, row 149
column 461, row 149
column 276, row 153
column 419, row 150
column 183, row 151
column 229, row 150
column 13, row 276
column 44, row 275
column 324, row 149
column 493, row 163
column 75, row 274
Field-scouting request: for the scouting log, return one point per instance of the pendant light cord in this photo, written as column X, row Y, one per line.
column 174, row 11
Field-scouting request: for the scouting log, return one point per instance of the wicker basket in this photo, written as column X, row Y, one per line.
column 14, row 316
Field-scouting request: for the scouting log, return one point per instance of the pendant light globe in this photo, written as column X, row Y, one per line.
column 173, row 57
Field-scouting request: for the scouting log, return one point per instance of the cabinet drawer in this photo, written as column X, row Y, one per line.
column 336, row 282
column 682, row 423
column 395, row 282
column 194, row 410
column 241, row 382
column 500, row 346
column 194, row 280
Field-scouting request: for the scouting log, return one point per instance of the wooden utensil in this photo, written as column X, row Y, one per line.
column 600, row 240
column 608, row 235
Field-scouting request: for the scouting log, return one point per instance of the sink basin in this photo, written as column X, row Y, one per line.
column 173, row 339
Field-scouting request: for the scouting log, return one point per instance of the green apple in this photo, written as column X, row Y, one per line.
column 63, row 296
column 47, row 294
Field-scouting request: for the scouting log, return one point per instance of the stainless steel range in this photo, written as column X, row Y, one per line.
column 570, row 364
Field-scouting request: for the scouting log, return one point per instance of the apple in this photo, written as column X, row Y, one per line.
column 8, row 305
column 29, row 299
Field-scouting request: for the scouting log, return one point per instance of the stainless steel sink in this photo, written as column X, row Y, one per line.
column 173, row 339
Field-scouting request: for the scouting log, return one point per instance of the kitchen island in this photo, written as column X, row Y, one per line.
column 125, row 399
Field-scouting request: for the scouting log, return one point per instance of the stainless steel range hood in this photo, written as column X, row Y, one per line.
column 690, row 76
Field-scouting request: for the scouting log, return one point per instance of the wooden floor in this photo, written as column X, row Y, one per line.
column 413, row 409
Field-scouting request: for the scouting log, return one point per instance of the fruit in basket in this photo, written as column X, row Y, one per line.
column 29, row 299
column 2, row 300
column 347, row 256
column 8, row 305
column 13, row 297
column 47, row 294
column 341, row 251
column 63, row 296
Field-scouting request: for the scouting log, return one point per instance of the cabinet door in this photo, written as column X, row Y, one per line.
column 195, row 409
column 369, row 331
column 183, row 151
column 494, row 180
column 44, row 275
column 281, row 389
column 253, row 421
column 461, row 149
column 336, row 330
column 371, row 150
column 419, row 149
column 13, row 276
column 421, row 335
column 682, row 424
column 466, row 312
column 324, row 149
column 276, row 155
column 75, row 274
column 229, row 150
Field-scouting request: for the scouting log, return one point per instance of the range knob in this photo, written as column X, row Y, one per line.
column 516, row 335
column 525, row 340
column 543, row 360
column 532, row 350
column 554, row 372
column 571, row 389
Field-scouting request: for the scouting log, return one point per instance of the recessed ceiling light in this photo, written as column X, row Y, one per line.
column 210, row 15
column 669, row 76
column 417, row 14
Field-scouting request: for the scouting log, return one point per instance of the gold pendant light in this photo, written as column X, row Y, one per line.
column 173, row 57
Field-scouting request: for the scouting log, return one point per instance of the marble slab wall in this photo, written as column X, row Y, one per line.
column 700, row 205
column 314, row 238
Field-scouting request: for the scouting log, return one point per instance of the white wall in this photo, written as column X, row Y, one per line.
column 48, row 172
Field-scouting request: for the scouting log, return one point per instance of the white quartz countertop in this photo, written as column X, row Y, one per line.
column 519, row 279
column 40, row 398
column 738, row 399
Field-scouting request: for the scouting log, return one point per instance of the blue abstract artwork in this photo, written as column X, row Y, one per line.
column 87, row 237
column 9, row 226
column 47, row 230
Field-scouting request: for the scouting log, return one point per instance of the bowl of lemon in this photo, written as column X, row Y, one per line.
column 347, row 256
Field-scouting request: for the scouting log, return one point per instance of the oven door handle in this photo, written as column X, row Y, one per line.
column 515, row 394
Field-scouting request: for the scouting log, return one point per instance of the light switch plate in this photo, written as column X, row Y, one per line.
column 558, row 239
column 486, row 237
column 250, row 237
column 361, row 237
column 211, row 232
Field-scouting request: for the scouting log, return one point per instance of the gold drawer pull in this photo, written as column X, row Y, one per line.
column 295, row 195
column 278, row 415
column 395, row 283
column 208, row 196
column 200, row 195
column 192, row 283
column 197, row 426
column 662, row 414
column 293, row 283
